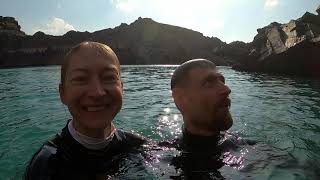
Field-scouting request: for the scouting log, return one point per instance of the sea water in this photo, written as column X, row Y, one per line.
column 280, row 113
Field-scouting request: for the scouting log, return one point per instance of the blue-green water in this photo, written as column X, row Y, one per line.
column 281, row 113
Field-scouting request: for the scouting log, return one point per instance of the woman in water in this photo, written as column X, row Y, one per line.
column 89, row 146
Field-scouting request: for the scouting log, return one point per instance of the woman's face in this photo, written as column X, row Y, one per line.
column 92, row 89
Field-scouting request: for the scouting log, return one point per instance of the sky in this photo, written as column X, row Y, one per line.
column 229, row 20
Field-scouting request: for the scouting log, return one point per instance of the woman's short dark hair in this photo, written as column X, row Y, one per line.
column 102, row 48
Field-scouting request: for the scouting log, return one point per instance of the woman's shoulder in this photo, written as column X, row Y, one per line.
column 38, row 167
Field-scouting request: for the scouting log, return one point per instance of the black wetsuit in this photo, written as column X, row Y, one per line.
column 200, row 156
column 64, row 158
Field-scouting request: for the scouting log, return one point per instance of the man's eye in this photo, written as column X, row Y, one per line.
column 223, row 80
column 209, row 83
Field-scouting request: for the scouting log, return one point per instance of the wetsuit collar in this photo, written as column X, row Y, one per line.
column 89, row 142
column 197, row 142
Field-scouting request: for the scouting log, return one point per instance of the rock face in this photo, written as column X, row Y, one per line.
column 9, row 26
column 10, row 32
column 149, row 42
column 292, row 48
column 234, row 51
column 142, row 42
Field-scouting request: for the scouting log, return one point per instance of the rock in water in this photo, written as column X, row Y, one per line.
column 292, row 48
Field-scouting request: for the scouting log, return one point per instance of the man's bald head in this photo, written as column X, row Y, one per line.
column 201, row 95
column 100, row 48
column 181, row 74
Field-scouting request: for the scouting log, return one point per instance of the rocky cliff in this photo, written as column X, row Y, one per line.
column 10, row 27
column 142, row 42
column 292, row 48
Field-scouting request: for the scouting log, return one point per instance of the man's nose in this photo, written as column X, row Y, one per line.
column 225, row 90
column 96, row 89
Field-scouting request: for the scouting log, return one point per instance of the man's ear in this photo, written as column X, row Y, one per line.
column 177, row 94
column 61, row 93
column 121, row 86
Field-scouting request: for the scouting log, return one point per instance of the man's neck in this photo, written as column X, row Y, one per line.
column 200, row 131
column 199, row 141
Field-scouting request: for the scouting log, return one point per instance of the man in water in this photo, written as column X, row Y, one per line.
column 201, row 95
column 89, row 146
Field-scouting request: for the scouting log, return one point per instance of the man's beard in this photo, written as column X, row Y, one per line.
column 220, row 121
column 224, row 120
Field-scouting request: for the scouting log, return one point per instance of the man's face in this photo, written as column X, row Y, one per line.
column 92, row 89
column 206, row 100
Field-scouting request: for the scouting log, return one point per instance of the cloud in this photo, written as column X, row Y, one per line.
column 205, row 16
column 124, row 5
column 56, row 26
column 271, row 3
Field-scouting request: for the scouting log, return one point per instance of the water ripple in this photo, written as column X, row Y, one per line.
column 281, row 113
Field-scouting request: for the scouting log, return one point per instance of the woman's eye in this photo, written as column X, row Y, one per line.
column 79, row 79
column 109, row 78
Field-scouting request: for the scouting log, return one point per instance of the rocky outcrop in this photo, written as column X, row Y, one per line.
column 9, row 26
column 10, row 34
column 156, row 43
column 292, row 48
column 142, row 42
column 233, row 52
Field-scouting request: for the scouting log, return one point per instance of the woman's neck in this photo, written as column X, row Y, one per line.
column 102, row 133
column 89, row 141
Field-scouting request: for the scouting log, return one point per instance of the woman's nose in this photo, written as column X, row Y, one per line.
column 96, row 89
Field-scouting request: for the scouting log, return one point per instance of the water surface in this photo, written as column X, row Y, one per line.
column 281, row 113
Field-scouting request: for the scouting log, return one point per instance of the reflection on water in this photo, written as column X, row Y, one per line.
column 280, row 113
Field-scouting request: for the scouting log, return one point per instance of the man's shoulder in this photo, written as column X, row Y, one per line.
column 235, row 140
column 38, row 167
